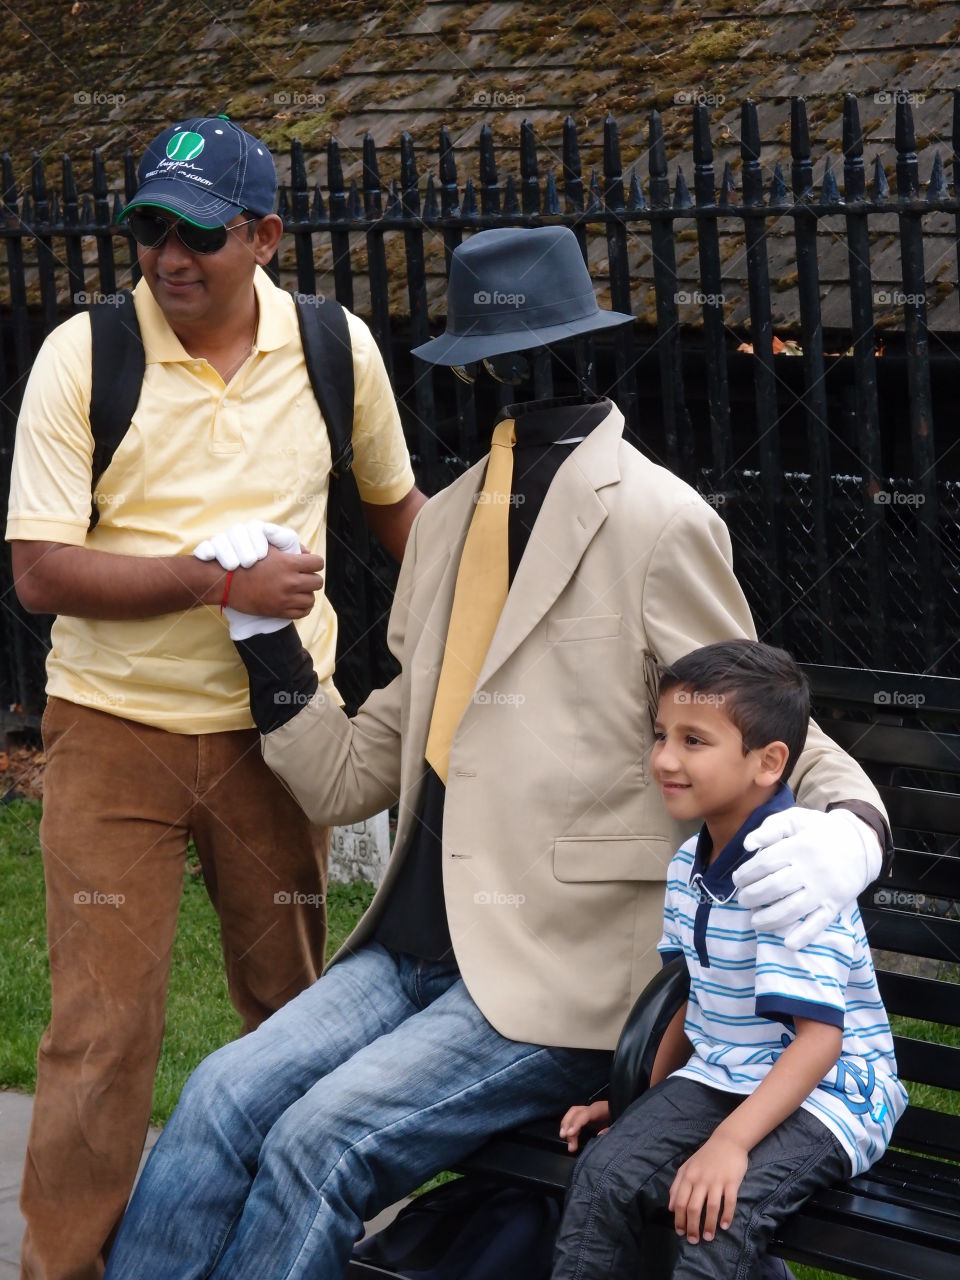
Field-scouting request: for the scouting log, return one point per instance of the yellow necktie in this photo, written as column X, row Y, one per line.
column 483, row 580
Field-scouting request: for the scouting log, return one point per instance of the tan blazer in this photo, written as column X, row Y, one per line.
column 555, row 841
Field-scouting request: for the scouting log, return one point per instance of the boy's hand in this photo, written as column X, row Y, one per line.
column 710, row 1177
column 577, row 1119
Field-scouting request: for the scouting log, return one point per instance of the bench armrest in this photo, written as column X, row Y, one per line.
column 643, row 1031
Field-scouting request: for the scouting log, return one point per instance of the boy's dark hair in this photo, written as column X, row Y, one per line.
column 765, row 693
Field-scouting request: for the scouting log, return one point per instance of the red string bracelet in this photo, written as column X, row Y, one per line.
column 226, row 590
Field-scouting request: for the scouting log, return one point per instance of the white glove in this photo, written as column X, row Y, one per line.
column 241, row 547
column 810, row 866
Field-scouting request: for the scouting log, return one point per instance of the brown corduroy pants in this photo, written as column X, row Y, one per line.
column 120, row 802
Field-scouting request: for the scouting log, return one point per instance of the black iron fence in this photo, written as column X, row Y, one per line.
column 842, row 510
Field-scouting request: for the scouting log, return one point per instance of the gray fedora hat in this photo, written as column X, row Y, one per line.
column 514, row 288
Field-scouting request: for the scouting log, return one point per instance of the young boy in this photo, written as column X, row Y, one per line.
column 778, row 1075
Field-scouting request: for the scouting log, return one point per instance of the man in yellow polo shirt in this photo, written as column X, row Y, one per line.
column 147, row 730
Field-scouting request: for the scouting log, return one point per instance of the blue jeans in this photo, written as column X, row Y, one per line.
column 369, row 1082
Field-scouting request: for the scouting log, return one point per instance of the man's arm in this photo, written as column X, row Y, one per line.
column 52, row 577
column 390, row 523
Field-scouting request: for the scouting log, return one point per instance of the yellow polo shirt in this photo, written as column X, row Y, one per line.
column 199, row 456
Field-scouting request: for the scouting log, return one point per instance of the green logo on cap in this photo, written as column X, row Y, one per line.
column 184, row 146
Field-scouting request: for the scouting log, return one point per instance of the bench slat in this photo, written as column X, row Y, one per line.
column 852, row 686
column 925, row 998
column 896, row 745
column 918, row 809
column 935, row 875
column 912, row 934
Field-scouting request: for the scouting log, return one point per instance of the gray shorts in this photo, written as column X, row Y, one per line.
column 623, row 1179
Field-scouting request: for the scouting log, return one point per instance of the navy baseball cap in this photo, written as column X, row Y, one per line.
column 207, row 170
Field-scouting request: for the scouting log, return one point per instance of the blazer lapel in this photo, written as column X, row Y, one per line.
column 568, row 521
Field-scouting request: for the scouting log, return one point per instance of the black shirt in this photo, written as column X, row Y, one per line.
column 415, row 916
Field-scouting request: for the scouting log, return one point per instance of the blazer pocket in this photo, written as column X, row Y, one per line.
column 578, row 860
column 598, row 627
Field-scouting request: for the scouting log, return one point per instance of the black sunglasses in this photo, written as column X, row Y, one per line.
column 151, row 231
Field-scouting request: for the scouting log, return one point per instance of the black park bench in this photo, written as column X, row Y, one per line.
column 901, row 1219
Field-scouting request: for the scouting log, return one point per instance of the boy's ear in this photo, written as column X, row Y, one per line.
column 773, row 761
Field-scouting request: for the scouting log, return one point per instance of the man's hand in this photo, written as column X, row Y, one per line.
column 578, row 1118
column 271, row 592
column 810, row 866
column 706, row 1187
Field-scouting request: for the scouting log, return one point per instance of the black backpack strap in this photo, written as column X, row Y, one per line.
column 118, row 365
column 329, row 358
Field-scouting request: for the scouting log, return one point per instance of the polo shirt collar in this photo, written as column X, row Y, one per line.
column 717, row 880
column 276, row 322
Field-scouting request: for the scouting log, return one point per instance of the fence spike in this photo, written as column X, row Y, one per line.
column 70, row 207
column 10, row 198
column 468, row 208
column 283, row 204
column 511, row 206
column 529, row 169
column 937, row 189
column 572, row 175
column 117, row 208
column 594, row 197
column 449, row 191
column 38, row 184
column 431, row 208
column 319, row 208
column 612, row 165
column 336, row 189
column 880, row 187
column 54, row 207
column 393, row 209
column 778, row 188
column 750, row 153
column 854, row 175
column 635, row 200
column 489, row 182
column 299, row 188
column 354, row 204
column 657, row 152
column 86, row 212
column 908, row 168
column 130, row 182
column 829, row 191
column 681, row 196
column 801, row 171
column 372, row 199
column 551, row 201
column 703, row 176
column 26, row 210
column 409, row 178
column 955, row 136
column 728, row 188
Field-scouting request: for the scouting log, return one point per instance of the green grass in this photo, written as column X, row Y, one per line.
column 200, row 1017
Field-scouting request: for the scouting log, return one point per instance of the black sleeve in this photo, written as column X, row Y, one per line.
column 281, row 675
column 865, row 811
